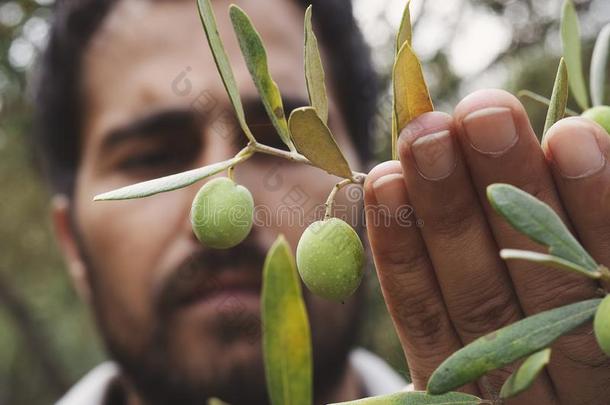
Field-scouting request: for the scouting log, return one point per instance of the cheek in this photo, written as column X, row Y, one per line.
column 128, row 242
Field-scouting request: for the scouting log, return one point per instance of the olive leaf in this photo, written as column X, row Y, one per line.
column 286, row 334
column 537, row 220
column 542, row 100
column 405, row 31
column 418, row 398
column 167, row 183
column 216, row 401
column 411, row 96
column 404, row 36
column 570, row 36
column 525, row 375
column 254, row 53
column 549, row 260
column 314, row 71
column 601, row 325
column 559, row 98
column 314, row 140
column 599, row 66
column 206, row 14
column 508, row 344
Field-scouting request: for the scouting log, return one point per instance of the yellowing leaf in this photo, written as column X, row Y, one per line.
column 559, row 98
column 570, row 36
column 411, row 95
column 255, row 56
column 206, row 13
column 314, row 71
column 286, row 334
column 314, row 140
column 405, row 31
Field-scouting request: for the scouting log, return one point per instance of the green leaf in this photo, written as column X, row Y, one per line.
column 525, row 375
column 314, row 71
column 508, row 344
column 410, row 91
column 549, row 260
column 255, row 56
column 286, row 335
column 206, row 14
column 418, row 398
column 559, row 98
column 599, row 66
column 314, row 140
column 570, row 36
column 405, row 31
column 538, row 221
column 601, row 325
column 167, row 183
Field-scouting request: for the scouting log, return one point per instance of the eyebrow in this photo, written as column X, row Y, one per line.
column 174, row 120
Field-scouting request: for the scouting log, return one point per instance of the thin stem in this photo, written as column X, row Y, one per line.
column 330, row 202
column 357, row 177
column 605, row 274
column 542, row 100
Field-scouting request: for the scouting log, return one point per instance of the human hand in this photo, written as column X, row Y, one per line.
column 444, row 282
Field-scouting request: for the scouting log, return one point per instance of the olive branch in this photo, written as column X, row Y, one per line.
column 287, row 337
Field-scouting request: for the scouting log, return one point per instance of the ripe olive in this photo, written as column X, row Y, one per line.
column 599, row 114
column 601, row 325
column 330, row 259
column 222, row 213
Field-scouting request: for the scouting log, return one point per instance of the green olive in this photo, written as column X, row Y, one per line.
column 601, row 325
column 330, row 259
column 599, row 114
column 222, row 213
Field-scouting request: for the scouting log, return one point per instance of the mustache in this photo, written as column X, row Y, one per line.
column 207, row 271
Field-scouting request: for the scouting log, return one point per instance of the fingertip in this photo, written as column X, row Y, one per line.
column 427, row 123
column 487, row 98
column 381, row 170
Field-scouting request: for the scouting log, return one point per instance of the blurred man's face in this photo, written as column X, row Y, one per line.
column 179, row 317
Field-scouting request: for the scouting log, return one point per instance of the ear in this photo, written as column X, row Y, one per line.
column 64, row 233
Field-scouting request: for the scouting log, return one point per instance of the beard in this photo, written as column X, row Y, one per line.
column 162, row 373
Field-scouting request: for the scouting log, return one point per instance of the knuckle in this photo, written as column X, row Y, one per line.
column 479, row 314
column 455, row 221
column 550, row 288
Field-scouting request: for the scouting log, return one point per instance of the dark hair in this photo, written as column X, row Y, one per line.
column 57, row 90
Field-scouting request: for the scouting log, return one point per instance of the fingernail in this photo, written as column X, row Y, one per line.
column 434, row 155
column 491, row 131
column 576, row 155
column 390, row 192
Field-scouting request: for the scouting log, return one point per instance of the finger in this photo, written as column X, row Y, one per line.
column 578, row 150
column 500, row 146
column 473, row 279
column 406, row 275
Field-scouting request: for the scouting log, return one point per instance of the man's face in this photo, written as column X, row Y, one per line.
column 181, row 317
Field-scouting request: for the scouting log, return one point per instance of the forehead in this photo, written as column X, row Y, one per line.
column 144, row 46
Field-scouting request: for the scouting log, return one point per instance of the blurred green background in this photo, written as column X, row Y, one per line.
column 47, row 339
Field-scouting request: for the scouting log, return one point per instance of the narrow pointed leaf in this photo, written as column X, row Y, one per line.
column 506, row 345
column 418, row 398
column 405, row 31
column 542, row 100
column 314, row 71
column 570, row 37
column 601, row 325
column 548, row 260
column 206, row 13
column 411, row 96
column 314, row 140
column 599, row 66
column 255, row 56
column 167, row 183
column 526, row 374
column 286, row 334
column 559, row 98
column 538, row 221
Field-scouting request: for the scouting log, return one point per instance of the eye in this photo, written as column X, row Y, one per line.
column 147, row 160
